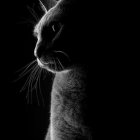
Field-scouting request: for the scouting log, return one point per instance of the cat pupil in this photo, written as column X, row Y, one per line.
column 56, row 27
column 53, row 28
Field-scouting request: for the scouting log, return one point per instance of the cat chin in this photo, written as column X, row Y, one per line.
column 45, row 66
column 54, row 61
column 50, row 67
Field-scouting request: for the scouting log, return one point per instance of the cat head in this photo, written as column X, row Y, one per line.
column 61, row 34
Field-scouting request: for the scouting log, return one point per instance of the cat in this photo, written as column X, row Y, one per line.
column 54, row 52
column 71, row 44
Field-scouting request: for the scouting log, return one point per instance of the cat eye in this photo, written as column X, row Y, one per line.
column 51, row 31
column 56, row 26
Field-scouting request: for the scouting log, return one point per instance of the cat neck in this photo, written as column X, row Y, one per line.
column 72, row 79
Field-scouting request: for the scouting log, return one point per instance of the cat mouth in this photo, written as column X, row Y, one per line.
column 55, row 61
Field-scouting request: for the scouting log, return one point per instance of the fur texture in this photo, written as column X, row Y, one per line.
column 74, row 42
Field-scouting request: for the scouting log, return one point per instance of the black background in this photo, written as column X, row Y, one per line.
column 20, row 120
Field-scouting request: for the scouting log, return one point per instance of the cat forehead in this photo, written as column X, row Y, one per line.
column 40, row 24
column 50, row 15
column 44, row 20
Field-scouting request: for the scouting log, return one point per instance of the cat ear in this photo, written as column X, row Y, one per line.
column 47, row 4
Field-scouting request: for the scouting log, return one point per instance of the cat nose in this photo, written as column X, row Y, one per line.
column 35, row 54
column 38, row 53
column 39, row 50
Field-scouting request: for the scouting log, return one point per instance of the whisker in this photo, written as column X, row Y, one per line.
column 24, row 86
column 63, row 53
column 28, row 89
column 36, row 87
column 36, row 84
column 40, row 88
column 28, row 82
column 27, row 69
column 60, row 63
column 45, row 72
column 33, row 13
column 55, row 66
column 35, row 78
column 26, row 66
column 32, row 77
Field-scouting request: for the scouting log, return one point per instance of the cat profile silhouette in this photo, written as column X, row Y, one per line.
column 74, row 39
